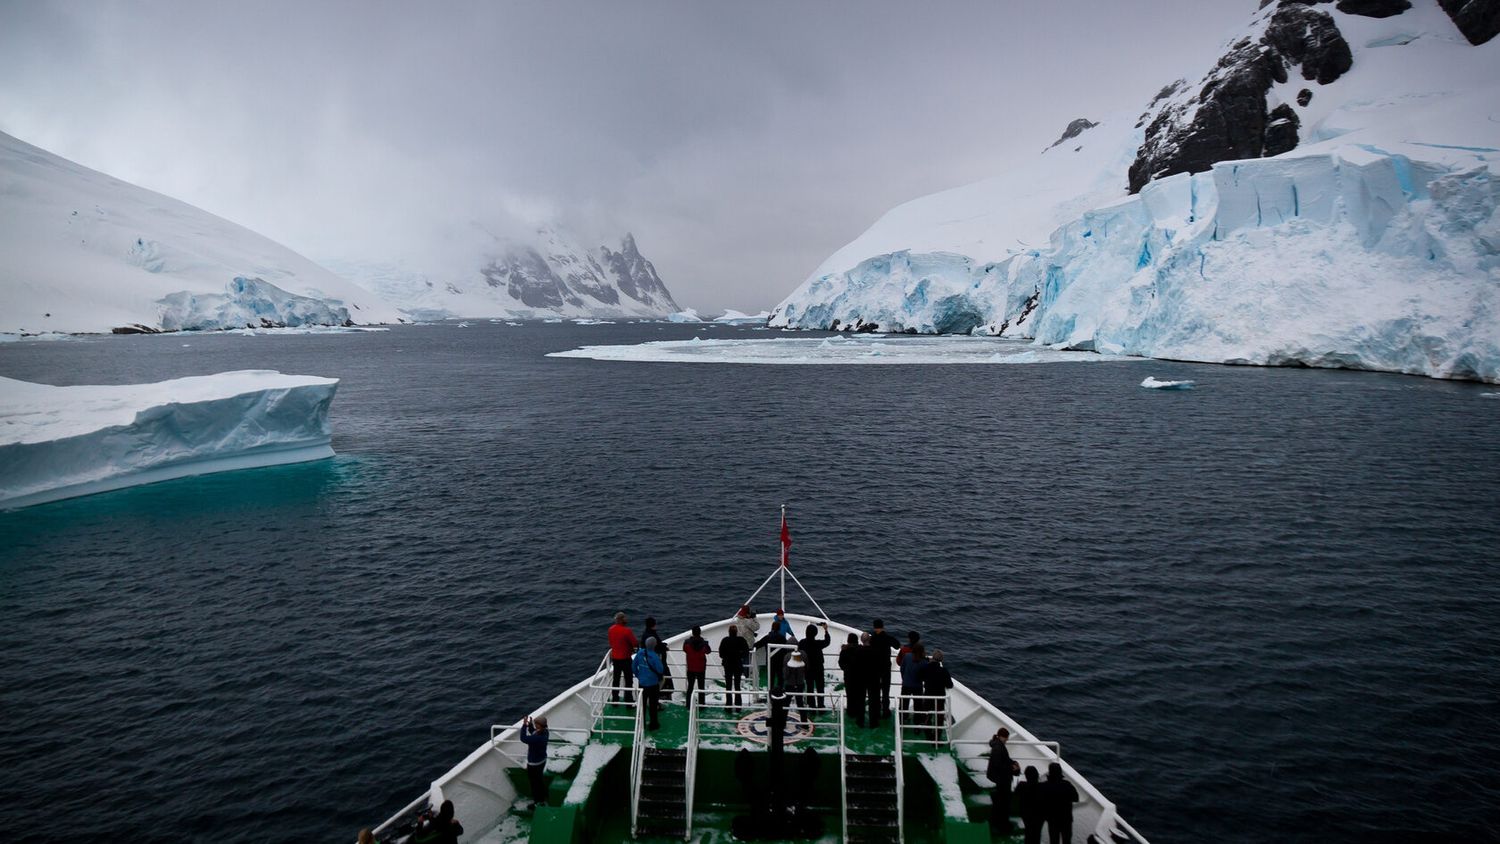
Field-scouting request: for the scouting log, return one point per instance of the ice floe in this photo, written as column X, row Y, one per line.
column 1151, row 383
column 838, row 350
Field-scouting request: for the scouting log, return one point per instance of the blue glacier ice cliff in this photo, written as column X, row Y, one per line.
column 1373, row 242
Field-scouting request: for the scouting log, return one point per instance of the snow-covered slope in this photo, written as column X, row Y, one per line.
column 548, row 275
column 83, row 252
column 62, row 442
column 1368, row 238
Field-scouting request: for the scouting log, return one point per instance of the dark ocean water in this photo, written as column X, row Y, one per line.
column 1264, row 610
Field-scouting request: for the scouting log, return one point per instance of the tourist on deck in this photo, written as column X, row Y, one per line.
column 1031, row 805
column 913, row 638
column 874, row 671
column 664, row 689
column 884, row 643
column 734, row 652
column 534, row 734
column 812, row 650
column 622, row 643
column 649, row 670
column 912, row 664
column 443, row 829
column 936, row 681
column 794, row 681
column 778, row 654
column 999, row 772
column 696, row 650
column 854, row 680
column 1058, row 797
column 783, row 625
column 749, row 627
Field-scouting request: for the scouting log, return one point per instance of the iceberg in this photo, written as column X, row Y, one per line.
column 63, row 442
column 733, row 317
column 1152, row 384
column 685, row 315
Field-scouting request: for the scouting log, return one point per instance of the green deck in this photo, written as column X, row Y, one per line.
column 606, row 814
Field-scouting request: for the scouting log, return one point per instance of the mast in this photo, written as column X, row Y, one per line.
column 785, row 552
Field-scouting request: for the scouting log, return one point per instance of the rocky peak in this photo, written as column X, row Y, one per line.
column 1228, row 117
column 1075, row 128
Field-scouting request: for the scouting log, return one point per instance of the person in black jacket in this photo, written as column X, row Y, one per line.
column 777, row 655
column 1058, row 796
column 884, row 643
column 1031, row 805
column 812, row 651
column 734, row 653
column 443, row 829
column 936, row 681
column 854, row 680
column 875, row 670
column 999, row 772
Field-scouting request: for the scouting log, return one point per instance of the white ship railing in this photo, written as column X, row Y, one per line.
column 900, row 779
column 691, row 768
column 600, row 718
column 843, row 779
column 928, row 734
column 637, row 759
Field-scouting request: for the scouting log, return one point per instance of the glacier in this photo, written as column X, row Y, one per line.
column 1355, row 258
column 63, row 442
column 82, row 252
column 1373, row 244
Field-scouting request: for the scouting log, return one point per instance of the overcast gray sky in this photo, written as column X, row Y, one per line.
column 741, row 142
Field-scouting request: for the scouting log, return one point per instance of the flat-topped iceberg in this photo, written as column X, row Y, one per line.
column 62, row 442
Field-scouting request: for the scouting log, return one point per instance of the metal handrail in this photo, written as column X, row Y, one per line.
column 843, row 779
column 690, row 770
column 637, row 758
column 935, row 730
column 900, row 780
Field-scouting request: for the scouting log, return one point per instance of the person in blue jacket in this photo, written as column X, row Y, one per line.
column 649, row 669
column 535, row 736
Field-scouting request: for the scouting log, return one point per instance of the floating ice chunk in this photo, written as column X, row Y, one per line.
column 61, row 442
column 733, row 317
column 1489, row 395
column 687, row 315
column 1152, row 384
column 463, row 325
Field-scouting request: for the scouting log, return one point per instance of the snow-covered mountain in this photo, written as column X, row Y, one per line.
column 1325, row 195
column 82, row 252
column 548, row 275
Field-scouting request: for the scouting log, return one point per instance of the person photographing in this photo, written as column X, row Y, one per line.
column 534, row 735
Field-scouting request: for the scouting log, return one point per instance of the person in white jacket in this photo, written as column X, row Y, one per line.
column 749, row 629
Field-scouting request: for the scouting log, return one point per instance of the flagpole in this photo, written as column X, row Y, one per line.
column 783, row 562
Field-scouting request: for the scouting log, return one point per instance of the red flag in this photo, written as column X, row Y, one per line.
column 786, row 542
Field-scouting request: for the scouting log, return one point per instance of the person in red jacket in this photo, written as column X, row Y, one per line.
column 697, row 649
column 622, row 644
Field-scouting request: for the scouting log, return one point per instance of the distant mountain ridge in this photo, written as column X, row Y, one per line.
column 549, row 275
